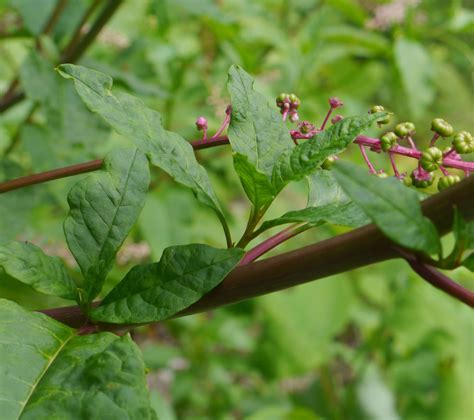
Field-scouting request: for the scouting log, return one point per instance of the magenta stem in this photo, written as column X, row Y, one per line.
column 367, row 160
column 411, row 142
column 327, row 118
column 273, row 242
column 438, row 279
column 222, row 127
column 433, row 140
column 394, row 166
column 204, row 134
column 443, row 169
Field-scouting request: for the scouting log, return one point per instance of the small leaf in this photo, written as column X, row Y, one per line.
column 256, row 129
column 463, row 231
column 256, row 184
column 394, row 208
column 130, row 117
column 29, row 264
column 469, row 263
column 300, row 161
column 347, row 214
column 327, row 203
column 153, row 292
column 46, row 368
column 104, row 207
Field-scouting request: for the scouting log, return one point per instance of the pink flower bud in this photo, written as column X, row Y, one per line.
column 337, row 118
column 305, row 127
column 294, row 116
column 335, row 102
column 201, row 123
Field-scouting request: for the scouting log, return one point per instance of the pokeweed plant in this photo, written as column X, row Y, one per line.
column 78, row 367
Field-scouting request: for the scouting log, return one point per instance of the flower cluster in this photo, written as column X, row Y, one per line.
column 392, row 142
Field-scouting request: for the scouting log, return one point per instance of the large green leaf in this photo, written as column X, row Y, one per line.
column 29, row 264
column 300, row 161
column 104, row 207
column 47, row 371
column 394, row 208
column 256, row 129
column 130, row 117
column 153, row 292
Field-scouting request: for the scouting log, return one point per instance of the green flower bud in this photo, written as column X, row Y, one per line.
column 423, row 182
column 388, row 140
column 376, row 108
column 281, row 97
column 446, row 181
column 463, row 142
column 431, row 158
column 404, row 129
column 440, row 126
column 407, row 181
column 329, row 162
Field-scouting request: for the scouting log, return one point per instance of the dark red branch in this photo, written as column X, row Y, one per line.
column 358, row 248
column 81, row 168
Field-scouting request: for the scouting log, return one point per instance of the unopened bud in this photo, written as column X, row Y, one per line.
column 201, row 123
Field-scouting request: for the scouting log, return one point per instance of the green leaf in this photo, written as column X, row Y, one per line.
column 153, row 292
column 469, row 263
column 394, row 208
column 347, row 214
column 29, row 264
column 256, row 184
column 34, row 14
column 49, row 371
column 300, row 161
column 416, row 72
column 327, row 203
column 463, row 231
column 130, row 117
column 256, row 129
column 103, row 208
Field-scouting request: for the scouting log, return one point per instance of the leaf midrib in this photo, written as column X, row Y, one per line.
column 43, row 372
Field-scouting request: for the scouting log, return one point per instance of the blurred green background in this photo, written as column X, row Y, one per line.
column 375, row 343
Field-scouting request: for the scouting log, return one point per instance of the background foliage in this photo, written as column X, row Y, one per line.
column 375, row 343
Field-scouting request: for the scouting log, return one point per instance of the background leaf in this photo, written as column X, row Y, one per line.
column 46, row 368
column 416, row 72
column 104, row 207
column 153, row 292
column 29, row 264
column 394, row 208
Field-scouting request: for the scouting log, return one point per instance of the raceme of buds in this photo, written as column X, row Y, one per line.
column 201, row 123
column 431, row 159
column 446, row 181
column 441, row 127
column 463, row 142
column 404, row 129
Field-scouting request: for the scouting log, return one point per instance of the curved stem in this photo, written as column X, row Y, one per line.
column 438, row 279
column 273, row 242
